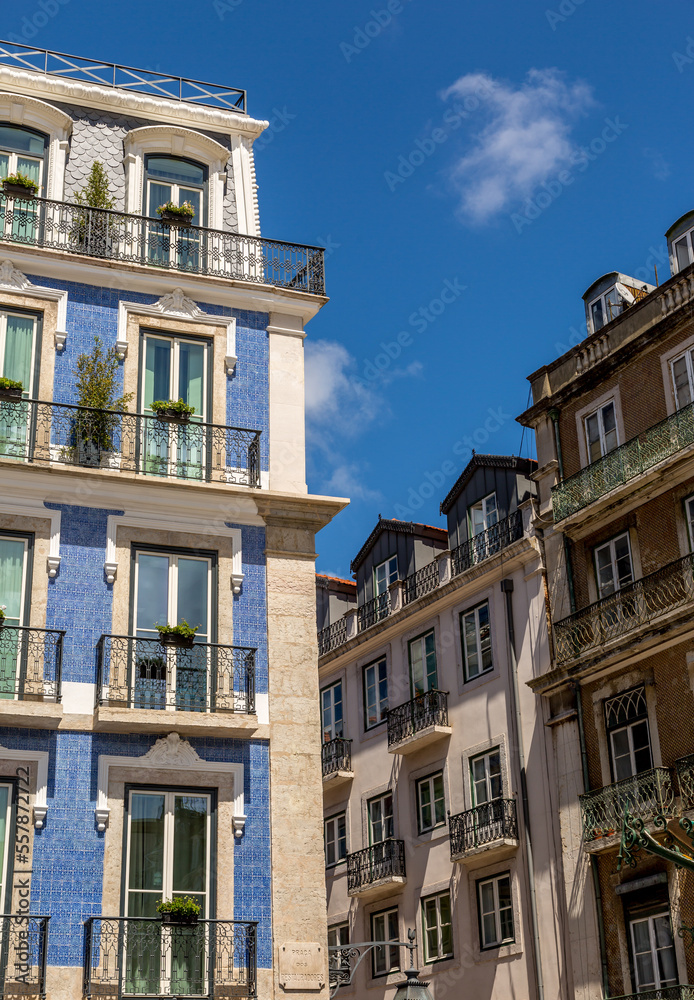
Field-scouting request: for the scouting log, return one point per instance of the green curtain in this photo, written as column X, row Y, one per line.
column 19, row 343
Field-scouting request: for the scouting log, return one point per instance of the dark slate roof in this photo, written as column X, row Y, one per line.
column 525, row 465
column 405, row 528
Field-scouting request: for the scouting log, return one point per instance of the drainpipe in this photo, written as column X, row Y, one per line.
column 507, row 590
column 593, row 860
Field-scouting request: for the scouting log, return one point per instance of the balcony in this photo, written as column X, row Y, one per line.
column 620, row 466
column 489, row 827
column 420, row 583
column 418, row 722
column 336, row 759
column 140, row 681
column 128, row 955
column 332, row 636
column 61, row 434
column 134, row 239
column 23, row 965
column 487, row 543
column 645, row 795
column 640, row 603
column 665, row 993
column 30, row 673
column 685, row 780
column 373, row 611
column 377, row 869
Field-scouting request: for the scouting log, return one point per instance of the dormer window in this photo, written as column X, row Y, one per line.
column 605, row 308
column 483, row 515
column 385, row 574
column 683, row 250
column 175, row 180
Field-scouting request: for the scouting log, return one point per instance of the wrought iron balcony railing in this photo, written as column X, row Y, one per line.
column 331, row 636
column 30, row 663
column 485, row 824
column 336, row 755
column 422, row 582
column 142, row 673
column 641, row 453
column 373, row 611
column 637, row 604
column 23, row 956
column 682, row 992
column 142, row 81
column 410, row 718
column 685, row 780
column 136, row 239
column 142, row 956
column 645, row 795
column 36, row 431
column 381, row 861
column 487, row 543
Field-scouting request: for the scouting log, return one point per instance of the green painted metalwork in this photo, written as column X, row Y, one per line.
column 667, row 993
column 643, row 796
column 685, row 778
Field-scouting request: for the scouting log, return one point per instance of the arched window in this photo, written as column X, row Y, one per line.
column 172, row 179
column 23, row 151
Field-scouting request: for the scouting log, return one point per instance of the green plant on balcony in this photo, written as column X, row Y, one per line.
column 172, row 409
column 10, row 391
column 176, row 214
column 98, row 390
column 180, row 910
column 93, row 231
column 20, row 186
column 181, row 635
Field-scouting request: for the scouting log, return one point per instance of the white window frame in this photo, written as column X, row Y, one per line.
column 487, row 777
column 689, row 361
column 12, row 162
column 331, row 836
column 25, row 563
column 429, row 780
column 412, row 644
column 688, row 237
column 494, row 881
column 390, row 957
column 630, row 696
column 610, row 544
column 5, row 866
column 608, row 314
column 653, row 952
column 599, row 413
column 175, row 340
column 4, row 313
column 381, row 710
column 440, row 954
column 390, row 574
column 338, row 937
column 478, row 641
column 487, row 511
column 384, row 817
column 329, row 732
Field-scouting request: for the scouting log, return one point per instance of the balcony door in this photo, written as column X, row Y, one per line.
column 177, row 181
column 487, row 796
column 482, row 517
column 653, row 952
column 422, row 656
column 22, row 151
column 170, row 588
column 18, row 345
column 626, row 721
column 167, row 856
column 174, row 368
column 14, row 557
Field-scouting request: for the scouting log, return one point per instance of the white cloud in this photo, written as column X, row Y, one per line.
column 347, row 481
column 332, row 392
column 525, row 141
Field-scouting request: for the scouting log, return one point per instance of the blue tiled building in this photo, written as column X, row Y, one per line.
column 140, row 765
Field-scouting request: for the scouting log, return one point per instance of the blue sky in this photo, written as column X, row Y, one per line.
column 472, row 168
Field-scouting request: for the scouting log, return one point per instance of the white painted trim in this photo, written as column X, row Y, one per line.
column 39, row 757
column 16, row 283
column 179, row 306
column 170, row 753
column 27, row 507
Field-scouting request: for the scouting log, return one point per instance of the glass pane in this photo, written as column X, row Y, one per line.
column 597, row 315
column 471, row 657
column 491, row 513
column 682, row 253
column 416, row 668
column 11, row 578
column 439, row 802
column 621, row 754
column 593, row 436
column 159, row 194
column 623, row 561
column 370, row 696
column 152, row 593
column 609, row 426
column 192, row 599
column 171, row 169
column 337, row 701
column 30, row 168
column 19, row 343
column 191, row 363
column 146, row 851
column 430, row 652
column 645, row 974
column 20, row 140
column 485, row 636
column 640, row 936
column 190, row 844
column 477, row 519
column 605, row 572
column 380, row 579
column 382, row 689
column 195, row 199
column 488, row 929
column 487, row 897
column 4, row 802
column 4, row 165
column 681, row 379
column 425, row 805
column 157, row 370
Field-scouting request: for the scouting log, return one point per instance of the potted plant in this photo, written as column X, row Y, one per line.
column 172, row 410
column 181, row 636
column 176, row 215
column 3, row 608
column 20, row 186
column 10, row 391
column 181, row 910
column 93, row 232
column 97, row 382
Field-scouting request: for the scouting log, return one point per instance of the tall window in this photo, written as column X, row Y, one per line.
column 601, row 432
column 689, row 513
column 18, row 349
column 605, row 308
column 6, row 806
column 21, row 151
column 483, row 515
column 485, row 777
column 178, row 181
column 477, row 641
column 331, row 711
column 613, row 566
column 683, row 378
column 683, row 250
column 431, row 802
column 380, row 810
column 14, row 561
column 422, row 656
column 495, row 911
column 385, row 574
column 626, row 721
column 436, row 924
column 375, row 693
column 384, row 927
column 653, row 950
column 335, row 835
column 338, row 937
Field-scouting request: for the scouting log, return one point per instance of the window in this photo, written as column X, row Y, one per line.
column 384, row 927
column 6, row 806
column 21, row 151
column 653, row 950
column 375, row 693
column 331, row 711
column 436, row 924
column 626, row 721
column 19, row 344
column 683, row 378
column 477, row 641
column 338, row 937
column 14, row 566
column 178, row 181
column 422, row 656
column 613, row 566
column 483, row 515
column 683, row 251
column 335, row 835
column 385, row 574
column 601, row 432
column 689, row 513
column 485, row 777
column 170, row 587
column 495, row 911
column 605, row 308
column 167, row 856
column 431, row 803
column 380, row 810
